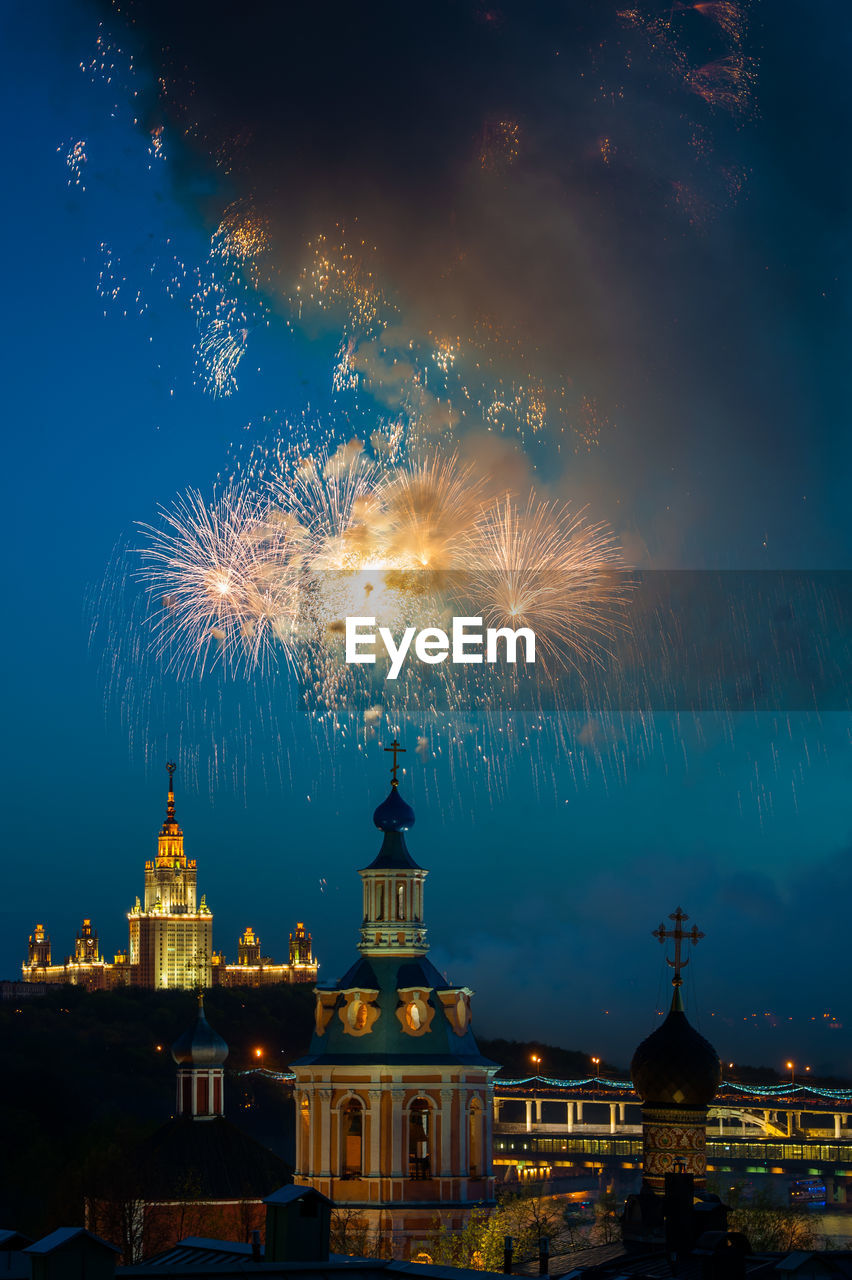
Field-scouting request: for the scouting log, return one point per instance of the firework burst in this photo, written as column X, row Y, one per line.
column 224, row 581
column 547, row 568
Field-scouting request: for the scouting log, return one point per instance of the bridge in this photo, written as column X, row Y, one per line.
column 546, row 1128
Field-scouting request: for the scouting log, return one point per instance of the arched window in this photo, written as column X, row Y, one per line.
column 475, row 1140
column 419, row 1139
column 400, row 902
column 380, row 902
column 352, row 1139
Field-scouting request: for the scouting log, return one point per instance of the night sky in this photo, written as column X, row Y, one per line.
column 638, row 218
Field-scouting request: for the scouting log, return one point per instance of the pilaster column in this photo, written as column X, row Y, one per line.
column 324, row 1096
column 447, row 1133
column 399, row 1160
column 488, row 1138
column 374, row 1168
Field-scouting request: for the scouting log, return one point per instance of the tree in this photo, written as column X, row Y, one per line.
column 770, row 1225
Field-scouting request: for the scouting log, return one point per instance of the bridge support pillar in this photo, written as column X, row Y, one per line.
column 579, row 1113
column 528, row 1105
column 569, row 1116
column 621, row 1109
column 612, row 1107
column 537, row 1110
column 837, row 1122
column 789, row 1124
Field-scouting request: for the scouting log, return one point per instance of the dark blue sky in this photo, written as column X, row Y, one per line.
column 717, row 355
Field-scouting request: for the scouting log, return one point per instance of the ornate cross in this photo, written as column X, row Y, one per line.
column 680, row 936
column 397, row 751
column 170, row 770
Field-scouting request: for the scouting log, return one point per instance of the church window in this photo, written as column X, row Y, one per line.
column 400, row 902
column 352, row 1139
column 419, row 1125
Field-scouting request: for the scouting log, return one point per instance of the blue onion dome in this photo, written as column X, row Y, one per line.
column 676, row 1065
column 394, row 814
column 200, row 1046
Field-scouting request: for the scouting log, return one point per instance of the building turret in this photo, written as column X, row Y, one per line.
column 200, row 1054
column 676, row 1073
column 393, row 883
column 248, row 947
column 301, row 946
column 86, row 945
column 39, row 948
column 394, row 1100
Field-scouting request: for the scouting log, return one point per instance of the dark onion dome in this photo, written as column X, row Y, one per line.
column 676, row 1065
column 394, row 814
column 200, row 1046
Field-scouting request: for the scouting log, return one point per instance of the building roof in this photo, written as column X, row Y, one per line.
column 190, row 1159
column 63, row 1236
column 200, row 1045
column 675, row 1064
column 291, row 1193
column 387, row 1042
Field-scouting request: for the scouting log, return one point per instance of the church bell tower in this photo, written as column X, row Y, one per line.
column 394, row 1101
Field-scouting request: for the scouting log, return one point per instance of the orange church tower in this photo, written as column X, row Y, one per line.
column 394, row 1100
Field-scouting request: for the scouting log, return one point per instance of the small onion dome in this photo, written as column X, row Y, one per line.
column 394, row 814
column 676, row 1064
column 200, row 1046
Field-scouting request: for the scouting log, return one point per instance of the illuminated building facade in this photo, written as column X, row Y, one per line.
column 171, row 933
column 85, row 968
column 394, row 1101
column 255, row 970
column 171, row 936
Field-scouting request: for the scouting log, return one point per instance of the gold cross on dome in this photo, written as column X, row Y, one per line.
column 680, row 935
column 397, row 751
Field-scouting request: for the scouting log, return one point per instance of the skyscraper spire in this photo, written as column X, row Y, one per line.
column 171, row 820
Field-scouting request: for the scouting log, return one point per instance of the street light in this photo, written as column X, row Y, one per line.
column 791, row 1067
column 597, row 1065
column 536, row 1061
column 258, row 1053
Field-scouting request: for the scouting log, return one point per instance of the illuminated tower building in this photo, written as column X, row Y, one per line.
column 39, row 948
column 86, row 945
column 394, row 1100
column 676, row 1073
column 248, row 948
column 301, row 947
column 171, row 935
